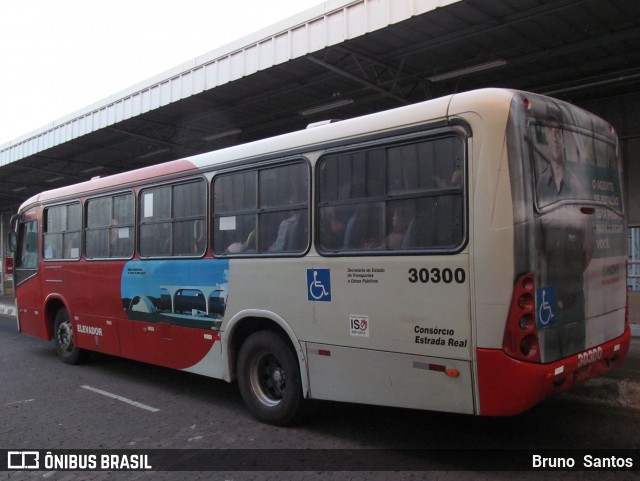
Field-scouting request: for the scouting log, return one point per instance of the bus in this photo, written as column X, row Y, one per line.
column 465, row 254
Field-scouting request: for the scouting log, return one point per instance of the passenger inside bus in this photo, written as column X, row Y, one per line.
column 290, row 236
column 402, row 228
column 120, row 241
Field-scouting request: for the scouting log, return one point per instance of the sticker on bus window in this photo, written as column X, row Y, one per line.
column 228, row 223
column 319, row 285
column 148, row 205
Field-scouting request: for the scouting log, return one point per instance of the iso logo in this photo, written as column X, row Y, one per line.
column 359, row 326
column 23, row 460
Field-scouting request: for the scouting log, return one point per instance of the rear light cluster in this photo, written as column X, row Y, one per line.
column 521, row 335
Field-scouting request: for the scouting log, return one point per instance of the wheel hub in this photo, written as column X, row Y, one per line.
column 278, row 376
column 65, row 336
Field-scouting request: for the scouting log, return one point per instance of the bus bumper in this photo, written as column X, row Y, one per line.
column 508, row 386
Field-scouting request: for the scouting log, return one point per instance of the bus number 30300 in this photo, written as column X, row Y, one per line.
column 437, row 275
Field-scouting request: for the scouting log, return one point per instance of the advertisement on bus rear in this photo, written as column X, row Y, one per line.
column 577, row 243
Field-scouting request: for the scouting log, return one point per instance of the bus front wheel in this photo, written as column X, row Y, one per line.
column 269, row 378
column 63, row 339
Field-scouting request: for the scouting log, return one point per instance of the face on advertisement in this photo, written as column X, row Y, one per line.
column 556, row 144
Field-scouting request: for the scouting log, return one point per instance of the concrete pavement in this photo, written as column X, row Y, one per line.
column 7, row 305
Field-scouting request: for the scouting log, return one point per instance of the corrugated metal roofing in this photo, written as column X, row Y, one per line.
column 328, row 24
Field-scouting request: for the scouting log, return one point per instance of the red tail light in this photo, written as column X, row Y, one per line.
column 521, row 334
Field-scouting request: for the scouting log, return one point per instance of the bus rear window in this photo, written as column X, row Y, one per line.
column 573, row 167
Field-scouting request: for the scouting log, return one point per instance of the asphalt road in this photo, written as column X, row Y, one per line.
column 112, row 403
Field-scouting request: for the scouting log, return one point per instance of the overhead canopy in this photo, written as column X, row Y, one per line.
column 339, row 60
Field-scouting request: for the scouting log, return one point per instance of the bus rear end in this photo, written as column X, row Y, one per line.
column 566, row 321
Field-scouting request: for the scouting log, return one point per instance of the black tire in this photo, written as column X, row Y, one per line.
column 63, row 339
column 269, row 379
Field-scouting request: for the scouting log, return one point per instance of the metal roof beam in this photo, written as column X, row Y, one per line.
column 154, row 140
column 360, row 80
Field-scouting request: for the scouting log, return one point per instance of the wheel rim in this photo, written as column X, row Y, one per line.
column 268, row 379
column 64, row 336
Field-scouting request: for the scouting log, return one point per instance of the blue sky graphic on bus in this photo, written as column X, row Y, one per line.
column 190, row 293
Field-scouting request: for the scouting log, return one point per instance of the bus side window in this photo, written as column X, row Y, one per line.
column 62, row 231
column 109, row 229
column 262, row 211
column 402, row 196
column 172, row 220
column 284, row 191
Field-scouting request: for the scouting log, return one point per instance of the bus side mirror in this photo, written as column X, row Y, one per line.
column 13, row 242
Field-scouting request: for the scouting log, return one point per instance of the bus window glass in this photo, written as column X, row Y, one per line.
column 99, row 213
column 155, row 225
column 27, row 256
column 110, row 227
column 262, row 211
column 566, row 162
column 189, row 212
column 173, row 220
column 62, row 235
column 390, row 198
column 188, row 200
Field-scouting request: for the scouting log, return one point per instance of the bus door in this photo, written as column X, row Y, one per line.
column 26, row 280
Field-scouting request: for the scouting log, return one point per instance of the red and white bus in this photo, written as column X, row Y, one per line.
column 465, row 254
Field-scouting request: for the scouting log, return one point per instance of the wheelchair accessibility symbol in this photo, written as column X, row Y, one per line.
column 547, row 307
column 319, row 285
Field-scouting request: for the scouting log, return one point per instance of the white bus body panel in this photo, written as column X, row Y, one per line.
column 385, row 378
column 401, row 317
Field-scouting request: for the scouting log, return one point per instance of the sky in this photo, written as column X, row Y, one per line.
column 59, row 56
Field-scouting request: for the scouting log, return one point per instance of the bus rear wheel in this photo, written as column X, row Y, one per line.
column 64, row 341
column 269, row 379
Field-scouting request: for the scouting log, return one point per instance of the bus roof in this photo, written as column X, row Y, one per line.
column 288, row 144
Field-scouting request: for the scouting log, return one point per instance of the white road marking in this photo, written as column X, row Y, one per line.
column 20, row 402
column 120, row 398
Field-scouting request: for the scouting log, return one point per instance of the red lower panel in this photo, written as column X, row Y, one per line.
column 508, row 386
